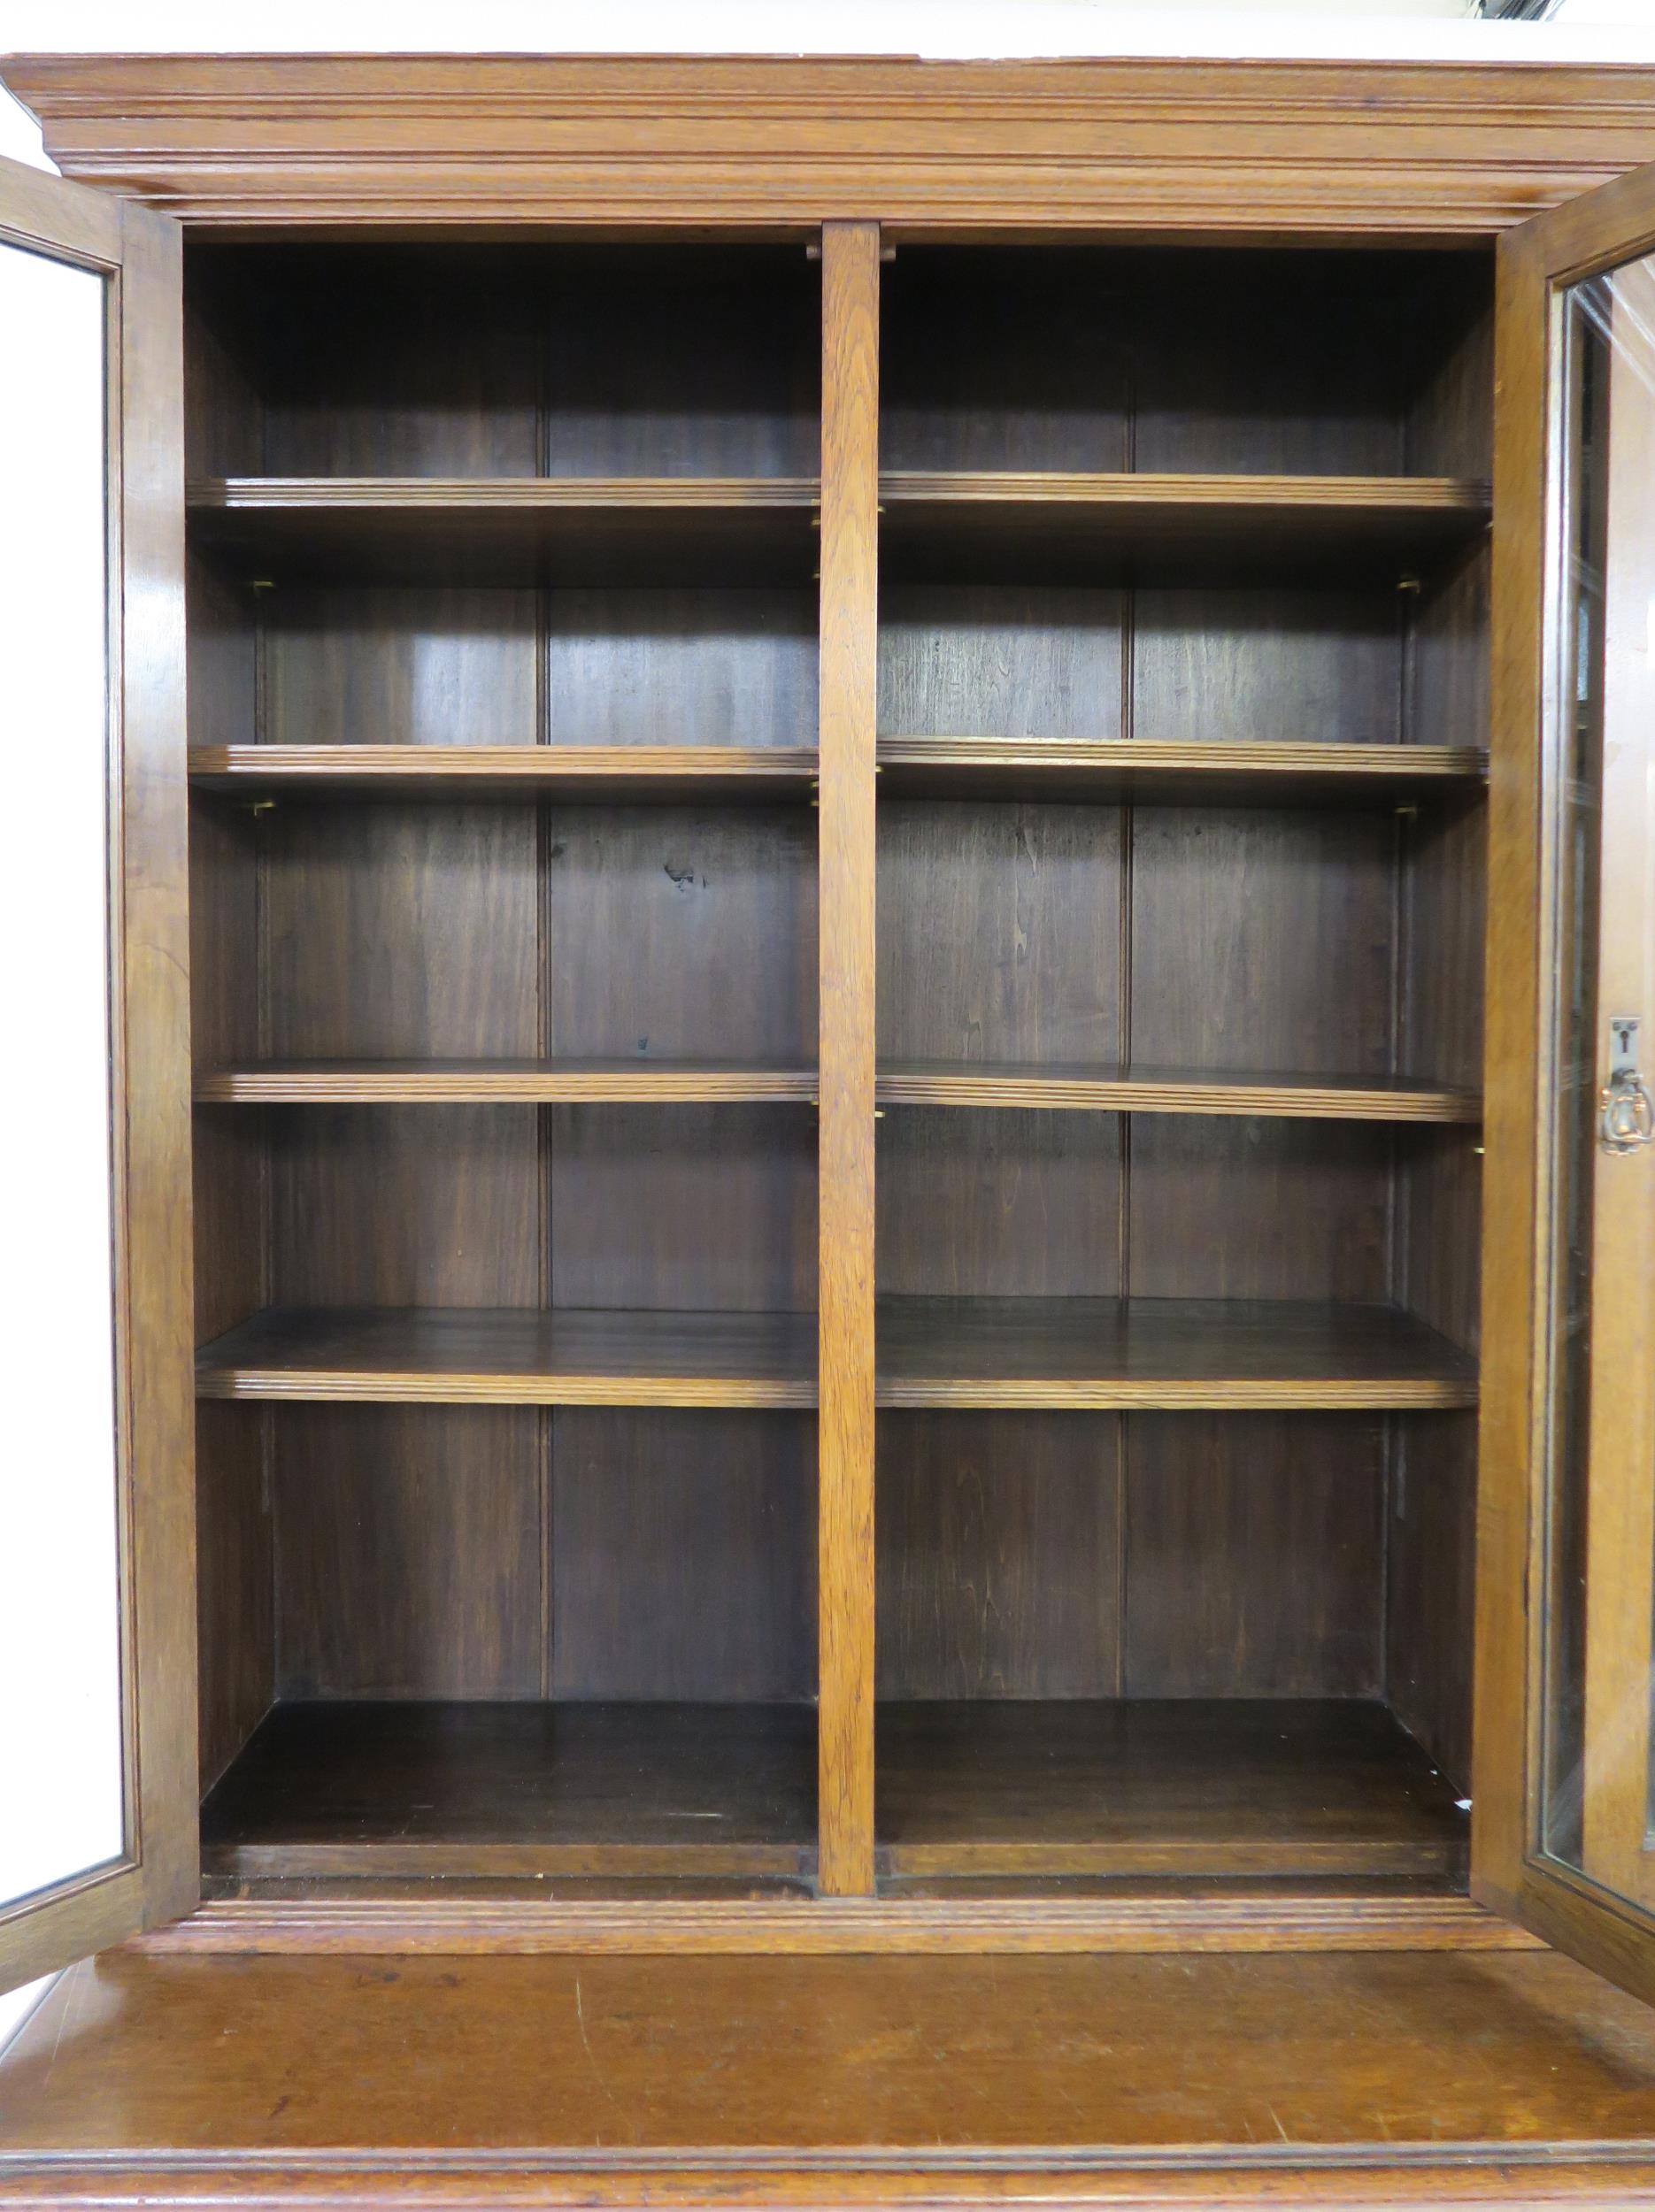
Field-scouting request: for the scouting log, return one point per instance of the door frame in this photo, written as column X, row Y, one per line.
column 1535, row 262
column 141, row 256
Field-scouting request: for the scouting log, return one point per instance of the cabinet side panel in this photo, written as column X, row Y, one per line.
column 235, row 1576
column 1431, row 1587
column 224, row 427
column 1431, row 1539
column 236, row 1630
column 1449, row 425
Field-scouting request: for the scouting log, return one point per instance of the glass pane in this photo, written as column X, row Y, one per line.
column 1596, row 1809
column 61, row 1689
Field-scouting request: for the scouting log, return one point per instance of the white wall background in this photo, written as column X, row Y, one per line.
column 1604, row 31
column 1445, row 30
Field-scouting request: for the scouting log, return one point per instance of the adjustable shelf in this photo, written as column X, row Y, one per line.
column 460, row 1356
column 945, row 523
column 1096, row 1353
column 1197, row 1354
column 1190, row 1788
column 547, row 530
column 496, row 1082
column 1175, row 1091
column 524, row 1789
column 1154, row 772
column 621, row 773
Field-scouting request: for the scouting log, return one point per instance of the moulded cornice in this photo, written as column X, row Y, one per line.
column 1225, row 148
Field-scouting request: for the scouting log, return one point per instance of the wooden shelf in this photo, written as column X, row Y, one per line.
column 506, row 1355
column 759, row 529
column 517, row 530
column 494, row 1082
column 1074, row 1354
column 526, row 1789
column 447, row 772
column 1185, row 1787
column 1101, row 1353
column 942, row 524
column 1154, row 772
column 1173, row 1091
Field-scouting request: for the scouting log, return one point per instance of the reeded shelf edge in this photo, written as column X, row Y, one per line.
column 1268, row 758
column 315, row 1385
column 341, row 1083
column 1174, row 1091
column 507, row 1355
column 1173, row 491
column 833, row 1926
column 694, row 1858
column 1103, row 1355
column 620, row 772
column 1055, row 1394
column 1075, row 1355
column 492, row 495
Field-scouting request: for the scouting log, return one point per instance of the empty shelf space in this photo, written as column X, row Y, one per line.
column 490, row 1082
column 1154, row 771
column 1188, row 1788
column 550, row 530
column 447, row 772
column 1172, row 1353
column 945, row 523
column 524, row 1789
column 1174, row 1091
column 506, row 1355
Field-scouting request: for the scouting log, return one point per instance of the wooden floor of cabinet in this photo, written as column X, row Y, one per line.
column 1417, row 2076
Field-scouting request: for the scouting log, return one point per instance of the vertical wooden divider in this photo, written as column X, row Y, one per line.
column 848, row 617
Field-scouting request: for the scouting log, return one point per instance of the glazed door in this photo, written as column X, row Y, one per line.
column 1568, row 1642
column 97, row 1829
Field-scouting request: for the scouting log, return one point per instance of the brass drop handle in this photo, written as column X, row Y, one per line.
column 1629, row 1111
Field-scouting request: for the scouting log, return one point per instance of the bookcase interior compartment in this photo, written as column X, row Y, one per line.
column 508, row 898
column 573, row 1641
column 466, row 361
column 1215, row 362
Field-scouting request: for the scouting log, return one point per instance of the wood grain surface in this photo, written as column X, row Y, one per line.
column 502, row 1356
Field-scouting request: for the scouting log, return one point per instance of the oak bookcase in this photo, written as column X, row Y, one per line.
column 822, row 1249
